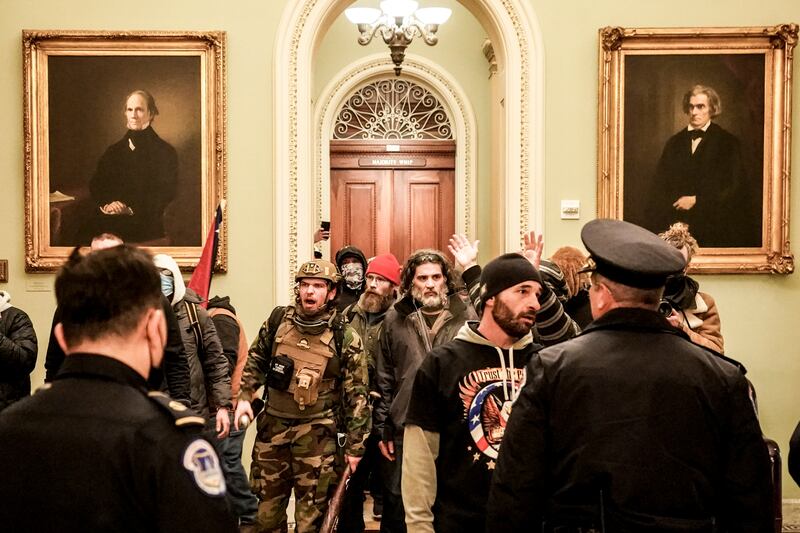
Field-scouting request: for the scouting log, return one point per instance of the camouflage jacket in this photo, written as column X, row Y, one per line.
column 348, row 404
column 369, row 329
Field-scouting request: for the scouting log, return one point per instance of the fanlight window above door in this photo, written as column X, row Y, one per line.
column 392, row 109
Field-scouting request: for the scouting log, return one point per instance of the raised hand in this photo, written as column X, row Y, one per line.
column 533, row 246
column 464, row 251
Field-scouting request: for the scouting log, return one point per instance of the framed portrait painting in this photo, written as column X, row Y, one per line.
column 124, row 134
column 694, row 127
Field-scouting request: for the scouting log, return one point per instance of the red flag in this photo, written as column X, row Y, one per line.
column 200, row 281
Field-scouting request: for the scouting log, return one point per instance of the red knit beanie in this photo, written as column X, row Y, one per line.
column 385, row 265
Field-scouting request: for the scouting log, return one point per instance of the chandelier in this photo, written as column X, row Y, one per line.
column 398, row 22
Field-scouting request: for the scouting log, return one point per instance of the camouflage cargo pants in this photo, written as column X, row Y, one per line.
column 293, row 454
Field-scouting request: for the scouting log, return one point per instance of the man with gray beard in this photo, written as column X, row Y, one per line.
column 366, row 317
column 428, row 315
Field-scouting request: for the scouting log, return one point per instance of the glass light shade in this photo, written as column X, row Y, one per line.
column 362, row 15
column 433, row 15
column 399, row 8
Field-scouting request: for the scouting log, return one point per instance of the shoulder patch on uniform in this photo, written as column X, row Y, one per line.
column 183, row 415
column 202, row 461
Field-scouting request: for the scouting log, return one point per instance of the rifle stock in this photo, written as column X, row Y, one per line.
column 335, row 505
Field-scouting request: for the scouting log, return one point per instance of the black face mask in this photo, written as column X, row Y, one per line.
column 680, row 290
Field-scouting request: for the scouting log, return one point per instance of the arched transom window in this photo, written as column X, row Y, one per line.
column 392, row 109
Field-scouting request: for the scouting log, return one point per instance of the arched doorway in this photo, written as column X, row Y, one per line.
column 453, row 133
column 392, row 170
column 516, row 38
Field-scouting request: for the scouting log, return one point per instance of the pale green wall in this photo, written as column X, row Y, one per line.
column 758, row 312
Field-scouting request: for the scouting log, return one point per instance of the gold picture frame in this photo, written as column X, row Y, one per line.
column 648, row 172
column 79, row 144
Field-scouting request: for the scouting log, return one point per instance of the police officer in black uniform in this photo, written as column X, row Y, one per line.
column 93, row 451
column 630, row 426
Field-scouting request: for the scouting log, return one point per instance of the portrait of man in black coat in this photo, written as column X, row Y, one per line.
column 693, row 145
column 135, row 180
column 126, row 149
column 702, row 179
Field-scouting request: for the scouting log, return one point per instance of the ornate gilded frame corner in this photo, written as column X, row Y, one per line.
column 777, row 44
column 39, row 45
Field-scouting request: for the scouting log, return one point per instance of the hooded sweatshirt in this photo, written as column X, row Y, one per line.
column 167, row 262
column 461, row 400
column 348, row 296
column 208, row 368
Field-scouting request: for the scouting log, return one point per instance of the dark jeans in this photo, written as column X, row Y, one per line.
column 394, row 514
column 351, row 515
column 242, row 503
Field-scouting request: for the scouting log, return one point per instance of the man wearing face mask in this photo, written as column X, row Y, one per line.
column 210, row 383
column 94, row 451
column 693, row 312
column 366, row 317
column 352, row 263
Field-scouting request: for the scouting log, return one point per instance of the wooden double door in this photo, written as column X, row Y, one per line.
column 396, row 201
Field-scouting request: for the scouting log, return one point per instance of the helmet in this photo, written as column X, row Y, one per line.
column 320, row 269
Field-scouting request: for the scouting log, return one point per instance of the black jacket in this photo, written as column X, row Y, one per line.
column 631, row 411
column 92, row 452
column 173, row 377
column 144, row 179
column 208, row 369
column 17, row 355
column 728, row 208
column 227, row 330
column 401, row 350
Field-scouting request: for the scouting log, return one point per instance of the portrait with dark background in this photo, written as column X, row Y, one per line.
column 654, row 86
column 86, row 104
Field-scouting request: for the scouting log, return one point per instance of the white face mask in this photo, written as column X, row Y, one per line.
column 353, row 275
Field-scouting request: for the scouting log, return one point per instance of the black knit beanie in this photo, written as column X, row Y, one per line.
column 504, row 272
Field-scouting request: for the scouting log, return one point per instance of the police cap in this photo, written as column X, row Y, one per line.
column 629, row 254
column 320, row 269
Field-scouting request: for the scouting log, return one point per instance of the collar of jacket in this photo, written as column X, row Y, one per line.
column 633, row 319
column 142, row 136
column 469, row 333
column 405, row 306
column 222, row 302
column 100, row 367
column 192, row 296
column 637, row 319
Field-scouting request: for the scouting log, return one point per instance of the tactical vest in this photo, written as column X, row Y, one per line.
column 311, row 355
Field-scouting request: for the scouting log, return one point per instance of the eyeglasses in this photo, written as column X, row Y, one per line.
column 378, row 280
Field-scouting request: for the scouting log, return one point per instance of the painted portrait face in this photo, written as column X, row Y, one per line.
column 699, row 111
column 137, row 114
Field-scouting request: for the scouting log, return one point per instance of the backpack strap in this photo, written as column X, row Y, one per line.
column 339, row 322
column 194, row 323
column 273, row 323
